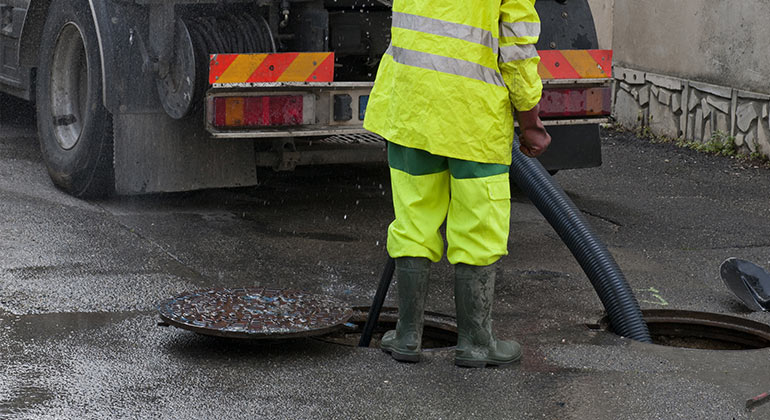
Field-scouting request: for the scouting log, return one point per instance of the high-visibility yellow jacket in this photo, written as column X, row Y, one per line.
column 452, row 74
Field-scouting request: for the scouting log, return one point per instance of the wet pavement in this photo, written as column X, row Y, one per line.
column 80, row 281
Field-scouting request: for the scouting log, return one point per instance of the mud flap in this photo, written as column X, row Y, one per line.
column 154, row 153
column 572, row 147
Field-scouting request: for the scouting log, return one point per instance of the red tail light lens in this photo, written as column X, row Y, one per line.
column 578, row 102
column 258, row 111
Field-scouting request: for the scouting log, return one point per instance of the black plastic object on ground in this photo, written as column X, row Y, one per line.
column 749, row 282
column 592, row 255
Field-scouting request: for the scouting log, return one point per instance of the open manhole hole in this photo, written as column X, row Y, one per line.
column 702, row 330
column 439, row 330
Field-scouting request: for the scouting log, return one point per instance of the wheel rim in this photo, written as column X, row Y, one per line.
column 69, row 86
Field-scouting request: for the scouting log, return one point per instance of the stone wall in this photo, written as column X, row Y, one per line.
column 696, row 111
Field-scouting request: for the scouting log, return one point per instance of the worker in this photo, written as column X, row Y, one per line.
column 444, row 97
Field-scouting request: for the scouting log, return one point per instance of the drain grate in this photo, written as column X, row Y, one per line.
column 702, row 330
column 255, row 313
column 439, row 330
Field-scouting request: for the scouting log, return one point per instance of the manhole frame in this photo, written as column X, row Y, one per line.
column 389, row 314
column 744, row 332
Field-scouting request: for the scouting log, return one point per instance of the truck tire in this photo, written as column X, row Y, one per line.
column 74, row 127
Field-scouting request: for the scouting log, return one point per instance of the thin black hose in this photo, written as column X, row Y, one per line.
column 592, row 255
column 379, row 299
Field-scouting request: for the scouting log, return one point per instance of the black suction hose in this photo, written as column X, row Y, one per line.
column 592, row 255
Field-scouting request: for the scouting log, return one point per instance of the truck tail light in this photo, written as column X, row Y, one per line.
column 576, row 102
column 257, row 111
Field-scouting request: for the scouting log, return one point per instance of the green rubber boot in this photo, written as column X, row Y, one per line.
column 404, row 343
column 476, row 344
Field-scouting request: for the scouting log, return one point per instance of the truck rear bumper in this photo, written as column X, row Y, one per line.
column 285, row 153
column 331, row 129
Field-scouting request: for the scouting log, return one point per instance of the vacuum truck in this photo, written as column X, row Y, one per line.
column 141, row 96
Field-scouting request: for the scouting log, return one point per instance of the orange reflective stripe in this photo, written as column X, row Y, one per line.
column 302, row 67
column 584, row 64
column 324, row 69
column 265, row 68
column 237, row 67
column 557, row 65
column 604, row 59
column 219, row 63
column 272, row 68
column 542, row 70
column 575, row 64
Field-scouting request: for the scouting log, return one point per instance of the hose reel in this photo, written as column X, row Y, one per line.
column 182, row 88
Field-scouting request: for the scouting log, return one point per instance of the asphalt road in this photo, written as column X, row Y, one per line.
column 80, row 280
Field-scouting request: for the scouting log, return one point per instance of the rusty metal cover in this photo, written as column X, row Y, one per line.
column 255, row 313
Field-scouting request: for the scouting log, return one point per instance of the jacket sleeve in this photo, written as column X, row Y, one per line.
column 518, row 58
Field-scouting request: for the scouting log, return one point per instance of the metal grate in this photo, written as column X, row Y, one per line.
column 357, row 138
column 255, row 313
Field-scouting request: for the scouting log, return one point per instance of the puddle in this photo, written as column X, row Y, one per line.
column 23, row 399
column 53, row 324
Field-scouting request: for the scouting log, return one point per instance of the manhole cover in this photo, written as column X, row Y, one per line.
column 255, row 313
column 439, row 330
column 702, row 330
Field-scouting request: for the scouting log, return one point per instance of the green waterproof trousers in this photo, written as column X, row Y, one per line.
column 473, row 198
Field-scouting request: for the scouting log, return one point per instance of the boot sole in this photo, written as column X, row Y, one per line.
column 484, row 363
column 401, row 357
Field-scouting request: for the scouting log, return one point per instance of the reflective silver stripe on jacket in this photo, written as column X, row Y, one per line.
column 517, row 52
column 444, row 28
column 445, row 65
column 519, row 29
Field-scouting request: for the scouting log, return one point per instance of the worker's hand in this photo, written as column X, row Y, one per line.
column 534, row 139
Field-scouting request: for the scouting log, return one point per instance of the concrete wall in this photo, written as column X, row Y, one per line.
column 692, row 68
column 724, row 42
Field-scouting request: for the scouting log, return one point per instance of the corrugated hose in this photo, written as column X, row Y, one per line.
column 593, row 256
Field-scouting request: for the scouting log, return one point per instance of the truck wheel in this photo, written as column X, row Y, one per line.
column 74, row 127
